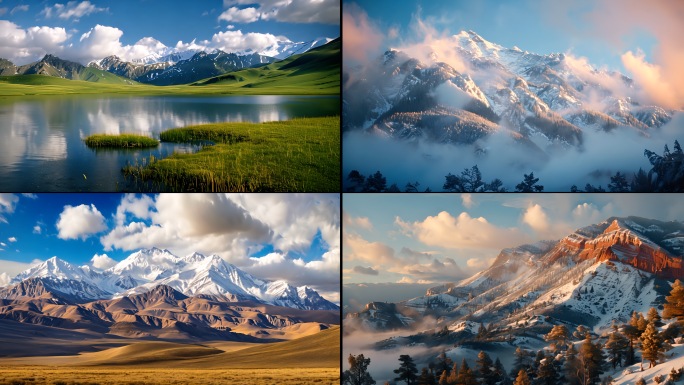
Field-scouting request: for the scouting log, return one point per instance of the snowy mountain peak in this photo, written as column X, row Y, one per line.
column 542, row 100
column 194, row 257
column 150, row 269
column 52, row 267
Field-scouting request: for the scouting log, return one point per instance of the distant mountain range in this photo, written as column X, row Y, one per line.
column 193, row 275
column 56, row 67
column 168, row 67
column 199, row 66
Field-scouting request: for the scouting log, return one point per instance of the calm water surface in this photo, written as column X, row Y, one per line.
column 41, row 140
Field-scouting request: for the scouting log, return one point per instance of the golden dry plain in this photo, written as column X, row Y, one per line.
column 313, row 359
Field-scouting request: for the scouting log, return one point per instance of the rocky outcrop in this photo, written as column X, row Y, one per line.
column 619, row 243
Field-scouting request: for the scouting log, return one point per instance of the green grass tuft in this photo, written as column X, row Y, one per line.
column 286, row 156
column 120, row 141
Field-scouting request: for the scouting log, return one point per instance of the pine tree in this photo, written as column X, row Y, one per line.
column 652, row 345
column 375, row 183
column 642, row 182
column 572, row 366
column 481, row 332
column 356, row 181
column 453, row 376
column 466, row 375
column 495, row 185
column 443, row 379
column 559, row 336
column 581, row 332
column 638, row 321
column 357, row 374
column 674, row 303
column 520, row 361
column 412, row 187
column 469, row 181
column 522, row 379
column 529, row 184
column 444, row 364
column 591, row 361
column 500, row 374
column 617, row 346
column 426, row 377
column 485, row 369
column 618, row 183
column 407, row 370
column 393, row 188
column 654, row 316
column 547, row 374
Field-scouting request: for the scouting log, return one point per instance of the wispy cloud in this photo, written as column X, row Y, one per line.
column 71, row 10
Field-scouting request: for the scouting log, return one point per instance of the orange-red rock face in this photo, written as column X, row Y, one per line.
column 619, row 244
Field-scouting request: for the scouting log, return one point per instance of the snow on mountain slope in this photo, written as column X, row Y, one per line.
column 146, row 269
column 555, row 96
column 631, row 374
column 288, row 49
column 597, row 275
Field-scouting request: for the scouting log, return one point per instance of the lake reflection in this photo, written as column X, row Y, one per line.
column 41, row 140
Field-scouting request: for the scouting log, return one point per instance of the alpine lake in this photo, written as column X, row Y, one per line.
column 41, row 139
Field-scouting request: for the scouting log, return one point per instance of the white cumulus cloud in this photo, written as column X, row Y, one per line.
column 235, row 226
column 4, row 279
column 464, row 231
column 80, row 221
column 236, row 15
column 102, row 262
column 24, row 45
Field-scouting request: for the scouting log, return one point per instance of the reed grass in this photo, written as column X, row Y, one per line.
column 298, row 155
column 120, row 141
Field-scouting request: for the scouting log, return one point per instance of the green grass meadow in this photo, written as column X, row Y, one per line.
column 286, row 156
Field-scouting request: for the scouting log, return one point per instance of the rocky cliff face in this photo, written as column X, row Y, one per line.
column 618, row 242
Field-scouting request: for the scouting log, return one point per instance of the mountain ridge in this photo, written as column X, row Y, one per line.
column 596, row 274
column 546, row 99
column 147, row 269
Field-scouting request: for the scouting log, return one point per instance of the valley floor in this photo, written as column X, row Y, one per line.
column 134, row 375
column 313, row 359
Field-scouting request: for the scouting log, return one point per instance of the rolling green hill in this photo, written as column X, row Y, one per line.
column 59, row 68
column 318, row 69
column 316, row 72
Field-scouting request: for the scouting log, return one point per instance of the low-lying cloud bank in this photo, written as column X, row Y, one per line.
column 601, row 155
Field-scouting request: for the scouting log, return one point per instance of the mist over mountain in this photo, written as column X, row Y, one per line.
column 545, row 277
column 595, row 277
column 429, row 111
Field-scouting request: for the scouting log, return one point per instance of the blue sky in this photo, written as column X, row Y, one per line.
column 295, row 237
column 533, row 25
column 435, row 238
column 64, row 23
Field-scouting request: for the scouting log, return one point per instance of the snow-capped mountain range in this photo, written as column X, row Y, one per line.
column 595, row 276
column 187, row 69
column 541, row 99
column 172, row 55
column 142, row 271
